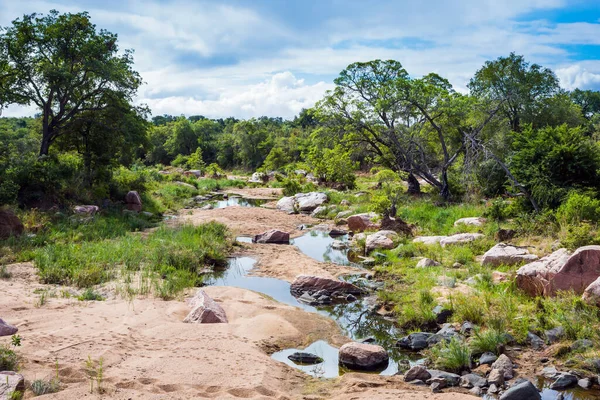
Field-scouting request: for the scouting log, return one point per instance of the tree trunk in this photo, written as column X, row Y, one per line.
column 45, row 146
column 445, row 190
column 414, row 187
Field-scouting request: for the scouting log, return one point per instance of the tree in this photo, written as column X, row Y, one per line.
column 517, row 85
column 64, row 66
column 588, row 100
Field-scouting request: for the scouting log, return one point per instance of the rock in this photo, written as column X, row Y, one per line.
column 361, row 222
column 564, row 381
column 339, row 245
column 308, row 299
column 535, row 341
column 499, row 277
column 585, row 383
column 207, row 207
column 442, row 314
column 259, row 177
column 427, row 262
column 416, row 382
column 417, row 372
column 86, row 210
column 415, row 341
column 503, row 254
column 310, row 201
column 337, row 232
column 435, row 387
column 319, row 211
column 450, row 378
column 396, row 225
column 581, row 345
column 343, row 214
column 381, row 240
column 496, row 377
column 309, row 283
column 363, row 356
column 287, row 204
column 467, row 328
column 555, row 334
column 487, row 358
column 476, row 391
column 505, row 366
column 205, row 310
column 559, row 271
column 591, row 294
column 474, row 221
column 448, row 332
column 523, row 391
column 10, row 225
column 437, row 384
column 550, row 372
column 195, row 172
column 272, row 236
column 185, row 185
column 503, row 235
column 11, row 382
column 7, row 329
column 460, row 238
column 493, row 389
column 429, row 239
column 472, row 380
column 300, row 357
column 133, row 201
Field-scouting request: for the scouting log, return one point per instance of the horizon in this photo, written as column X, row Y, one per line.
column 233, row 59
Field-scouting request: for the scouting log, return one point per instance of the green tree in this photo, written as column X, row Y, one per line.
column 517, row 85
column 65, row 66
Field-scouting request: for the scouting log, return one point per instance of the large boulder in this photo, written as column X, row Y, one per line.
column 205, row 310
column 362, row 222
column 133, row 201
column 559, row 271
column 381, row 240
column 363, row 356
column 504, row 254
column 309, row 201
column 591, row 294
column 10, row 384
column 310, row 283
column 522, row 391
column 259, row 177
column 10, row 225
column 272, row 236
column 429, row 239
column 460, row 238
column 86, row 210
column 474, row 221
column 287, row 204
column 7, row 329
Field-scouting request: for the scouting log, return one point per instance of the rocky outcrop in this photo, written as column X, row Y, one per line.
column 327, row 286
column 363, row 356
column 10, row 225
column 504, row 254
column 86, row 210
column 460, row 238
column 309, row 201
column 380, row 240
column 473, row 221
column 272, row 236
column 205, row 310
column 362, row 222
column 287, row 204
column 559, row 271
column 11, row 383
column 133, row 201
column 7, row 329
column 591, row 294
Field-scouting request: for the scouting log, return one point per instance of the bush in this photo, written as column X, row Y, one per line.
column 580, row 235
column 453, row 356
column 579, row 207
column 487, row 341
column 9, row 359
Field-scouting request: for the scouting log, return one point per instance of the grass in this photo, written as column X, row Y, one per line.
column 453, row 356
column 90, row 295
column 41, row 386
column 9, row 359
column 488, row 340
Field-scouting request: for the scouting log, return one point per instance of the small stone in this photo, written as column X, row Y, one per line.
column 522, row 391
column 472, row 380
column 555, row 334
column 496, row 377
column 427, row 262
column 535, row 341
column 585, row 383
column 305, row 358
column 564, row 381
column 362, row 356
column 581, row 344
column 450, row 378
column 550, row 372
column 467, row 328
column 476, row 391
column 487, row 358
column 435, row 387
column 417, row 372
column 504, row 364
column 7, row 329
column 493, row 389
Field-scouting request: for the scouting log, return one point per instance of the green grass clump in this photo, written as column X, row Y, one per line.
column 488, row 340
column 453, row 356
column 41, row 386
column 9, row 359
column 90, row 295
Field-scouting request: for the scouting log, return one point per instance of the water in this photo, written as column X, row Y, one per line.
column 318, row 245
column 356, row 319
column 543, row 385
column 243, row 239
column 238, row 201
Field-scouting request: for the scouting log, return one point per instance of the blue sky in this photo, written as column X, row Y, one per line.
column 248, row 58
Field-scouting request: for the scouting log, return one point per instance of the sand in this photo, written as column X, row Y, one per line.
column 149, row 353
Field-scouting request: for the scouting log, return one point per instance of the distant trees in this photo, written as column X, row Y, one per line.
column 66, row 67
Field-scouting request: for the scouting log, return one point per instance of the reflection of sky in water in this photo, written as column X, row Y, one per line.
column 317, row 245
column 238, row 201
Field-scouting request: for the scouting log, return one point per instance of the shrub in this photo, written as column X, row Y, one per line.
column 488, row 340
column 453, row 356
column 9, row 359
column 40, row 386
column 579, row 207
column 580, row 235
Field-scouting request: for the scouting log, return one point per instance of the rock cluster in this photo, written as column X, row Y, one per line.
column 302, row 202
column 317, row 290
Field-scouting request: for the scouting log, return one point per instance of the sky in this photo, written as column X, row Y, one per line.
column 249, row 58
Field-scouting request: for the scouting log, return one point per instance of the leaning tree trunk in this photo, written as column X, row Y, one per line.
column 445, row 189
column 414, row 187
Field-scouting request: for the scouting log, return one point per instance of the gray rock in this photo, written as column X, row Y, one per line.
column 476, row 391
column 467, row 328
column 414, row 341
column 503, row 254
column 363, row 356
column 429, row 240
column 450, row 378
column 272, row 236
column 522, row 391
column 7, row 329
column 287, row 204
column 417, row 372
column 310, row 201
column 493, row 389
column 471, row 380
column 442, row 314
column 555, row 334
column 11, row 382
column 535, row 341
column 300, row 357
column 487, row 358
column 496, row 376
column 435, row 387
column 460, row 238
column 427, row 262
column 474, row 221
column 585, row 383
column 581, row 344
column 550, row 372
column 564, row 381
column 504, row 364
column 417, row 382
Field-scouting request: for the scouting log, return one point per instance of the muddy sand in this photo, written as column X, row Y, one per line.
column 149, row 353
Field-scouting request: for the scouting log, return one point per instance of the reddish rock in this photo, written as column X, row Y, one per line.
column 363, row 356
column 133, row 201
column 418, row 372
column 361, row 222
column 7, row 329
column 559, row 271
column 272, row 236
column 205, row 310
column 309, row 283
column 10, row 225
column 86, row 210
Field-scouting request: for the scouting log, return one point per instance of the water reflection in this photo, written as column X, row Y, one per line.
column 320, row 246
column 238, row 201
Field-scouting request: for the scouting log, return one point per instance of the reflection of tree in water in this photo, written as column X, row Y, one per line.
column 359, row 322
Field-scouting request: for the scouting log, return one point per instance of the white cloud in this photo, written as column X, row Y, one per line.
column 578, row 76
